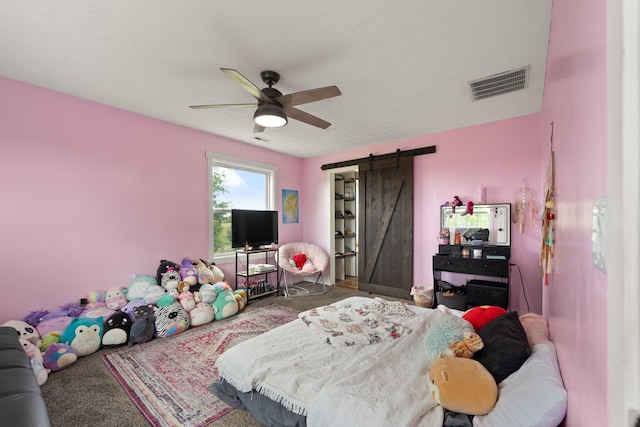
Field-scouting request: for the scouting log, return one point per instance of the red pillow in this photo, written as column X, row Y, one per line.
column 299, row 259
column 483, row 314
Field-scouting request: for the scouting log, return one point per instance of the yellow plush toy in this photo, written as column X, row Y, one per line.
column 462, row 385
column 466, row 346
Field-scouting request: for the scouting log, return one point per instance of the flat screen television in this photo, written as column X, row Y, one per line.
column 254, row 228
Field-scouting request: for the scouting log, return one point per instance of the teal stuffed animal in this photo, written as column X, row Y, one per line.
column 225, row 305
column 83, row 335
column 138, row 286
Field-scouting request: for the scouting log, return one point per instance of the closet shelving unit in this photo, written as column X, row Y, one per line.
column 345, row 224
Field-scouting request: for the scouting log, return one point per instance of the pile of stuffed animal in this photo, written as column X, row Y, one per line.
column 178, row 297
column 457, row 381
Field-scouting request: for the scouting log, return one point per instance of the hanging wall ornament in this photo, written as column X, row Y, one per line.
column 548, row 217
column 525, row 208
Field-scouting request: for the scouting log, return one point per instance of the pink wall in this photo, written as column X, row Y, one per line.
column 499, row 155
column 92, row 194
column 576, row 301
column 84, row 191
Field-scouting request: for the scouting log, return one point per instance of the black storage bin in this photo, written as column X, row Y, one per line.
column 450, row 295
column 486, row 292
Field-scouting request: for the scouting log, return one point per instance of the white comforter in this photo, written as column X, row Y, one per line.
column 383, row 384
column 375, row 385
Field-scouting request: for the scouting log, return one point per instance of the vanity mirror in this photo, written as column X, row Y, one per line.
column 494, row 218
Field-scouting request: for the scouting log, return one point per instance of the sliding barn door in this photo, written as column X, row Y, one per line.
column 385, row 243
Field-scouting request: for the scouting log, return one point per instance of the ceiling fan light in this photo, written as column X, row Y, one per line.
column 270, row 116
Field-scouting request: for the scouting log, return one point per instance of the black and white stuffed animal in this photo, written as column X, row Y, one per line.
column 171, row 320
column 116, row 329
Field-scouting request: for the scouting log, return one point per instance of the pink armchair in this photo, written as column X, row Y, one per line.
column 311, row 261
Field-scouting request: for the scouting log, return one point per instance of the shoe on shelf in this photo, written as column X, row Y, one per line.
column 339, row 214
column 339, row 196
column 338, row 233
column 349, row 214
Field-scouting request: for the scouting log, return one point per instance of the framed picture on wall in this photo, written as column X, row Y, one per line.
column 290, row 207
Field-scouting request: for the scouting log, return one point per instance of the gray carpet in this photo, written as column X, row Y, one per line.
column 87, row 394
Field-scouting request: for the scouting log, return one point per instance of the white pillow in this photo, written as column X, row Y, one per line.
column 446, row 310
column 533, row 396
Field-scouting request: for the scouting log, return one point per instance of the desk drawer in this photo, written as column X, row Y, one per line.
column 478, row 266
column 456, row 250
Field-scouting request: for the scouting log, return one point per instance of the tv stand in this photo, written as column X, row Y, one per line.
column 257, row 288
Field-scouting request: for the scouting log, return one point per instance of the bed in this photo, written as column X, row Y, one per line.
column 291, row 376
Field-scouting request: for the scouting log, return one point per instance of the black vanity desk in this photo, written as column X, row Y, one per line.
column 479, row 292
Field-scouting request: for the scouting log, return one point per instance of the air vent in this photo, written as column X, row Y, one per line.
column 499, row 84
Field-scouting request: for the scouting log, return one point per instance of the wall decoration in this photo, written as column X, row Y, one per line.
column 525, row 208
column 548, row 216
column 290, row 212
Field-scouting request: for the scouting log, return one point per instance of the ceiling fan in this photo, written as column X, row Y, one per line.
column 274, row 108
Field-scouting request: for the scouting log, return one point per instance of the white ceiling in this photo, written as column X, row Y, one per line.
column 402, row 67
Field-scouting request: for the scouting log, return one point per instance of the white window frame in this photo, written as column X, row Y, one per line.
column 270, row 172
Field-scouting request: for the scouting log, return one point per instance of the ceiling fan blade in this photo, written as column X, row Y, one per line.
column 257, row 128
column 246, row 84
column 198, row 107
column 310, row 95
column 294, row 113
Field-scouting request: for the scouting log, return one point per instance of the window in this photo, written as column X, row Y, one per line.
column 235, row 184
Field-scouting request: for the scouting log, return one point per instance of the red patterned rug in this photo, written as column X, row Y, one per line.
column 167, row 378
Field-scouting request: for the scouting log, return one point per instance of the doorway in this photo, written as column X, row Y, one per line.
column 344, row 216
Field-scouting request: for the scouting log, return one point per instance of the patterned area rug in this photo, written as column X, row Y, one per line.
column 167, row 378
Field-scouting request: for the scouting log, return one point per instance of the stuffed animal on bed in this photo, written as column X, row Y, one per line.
column 462, row 385
column 482, row 314
column 444, row 331
column 465, row 347
column 84, row 335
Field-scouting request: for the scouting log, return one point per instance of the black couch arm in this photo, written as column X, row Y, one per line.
column 21, row 403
